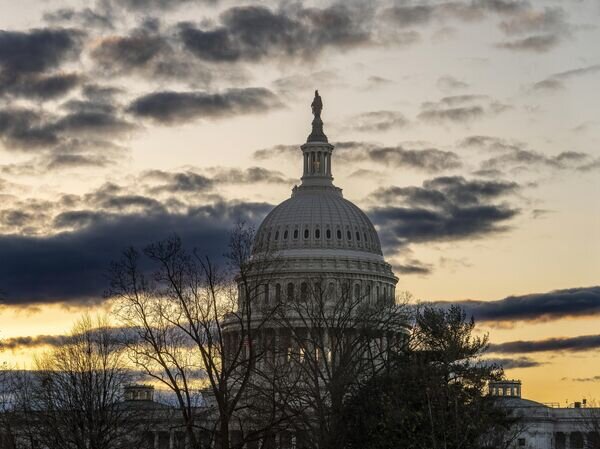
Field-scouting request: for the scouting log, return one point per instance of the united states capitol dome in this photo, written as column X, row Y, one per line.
column 317, row 217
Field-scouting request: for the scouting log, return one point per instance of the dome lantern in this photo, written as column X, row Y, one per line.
column 316, row 152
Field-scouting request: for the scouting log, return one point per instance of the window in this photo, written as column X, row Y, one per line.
column 339, row 234
column 295, row 233
column 521, row 441
column 303, row 291
column 266, row 292
column 278, row 292
column 357, row 236
column 285, row 235
column 306, row 233
column 357, row 291
column 277, row 235
column 290, row 291
column 365, row 236
column 317, row 233
column 328, row 234
column 349, row 234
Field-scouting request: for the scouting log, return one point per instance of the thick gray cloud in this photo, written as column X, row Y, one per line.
column 515, row 362
column 37, row 50
column 177, row 107
column 28, row 61
column 252, row 33
column 70, row 267
column 554, row 305
column 513, row 155
column 444, row 208
column 570, row 344
column 413, row 266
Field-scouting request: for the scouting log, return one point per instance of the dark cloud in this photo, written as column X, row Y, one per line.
column 460, row 109
column 569, row 303
column 444, row 208
column 25, row 129
column 70, row 266
column 37, row 50
column 378, row 121
column 177, row 107
column 406, row 15
column 178, row 182
column 25, row 342
column 515, row 362
column 523, row 159
column 277, row 151
column 537, row 44
column 428, row 159
column 65, row 161
column 570, row 344
column 38, row 86
column 128, row 52
column 91, row 123
column 515, row 156
column 489, row 143
column 252, row 33
column 413, row 266
column 249, row 175
column 584, row 379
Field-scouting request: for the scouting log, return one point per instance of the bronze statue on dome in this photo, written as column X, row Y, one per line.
column 317, row 105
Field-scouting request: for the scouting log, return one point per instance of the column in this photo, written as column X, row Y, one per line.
column 329, row 164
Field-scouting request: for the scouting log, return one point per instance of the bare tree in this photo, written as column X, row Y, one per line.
column 73, row 398
column 197, row 332
column 335, row 339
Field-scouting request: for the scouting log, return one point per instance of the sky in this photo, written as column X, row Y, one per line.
column 467, row 130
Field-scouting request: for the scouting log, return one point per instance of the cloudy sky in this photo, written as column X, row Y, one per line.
column 468, row 130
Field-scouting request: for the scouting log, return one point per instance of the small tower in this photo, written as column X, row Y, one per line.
column 317, row 151
column 505, row 388
column 138, row 392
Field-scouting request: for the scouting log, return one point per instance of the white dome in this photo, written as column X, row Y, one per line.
column 317, row 218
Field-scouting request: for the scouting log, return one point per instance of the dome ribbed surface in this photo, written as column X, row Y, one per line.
column 319, row 218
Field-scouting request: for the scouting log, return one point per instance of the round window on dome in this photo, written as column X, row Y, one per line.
column 317, row 233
